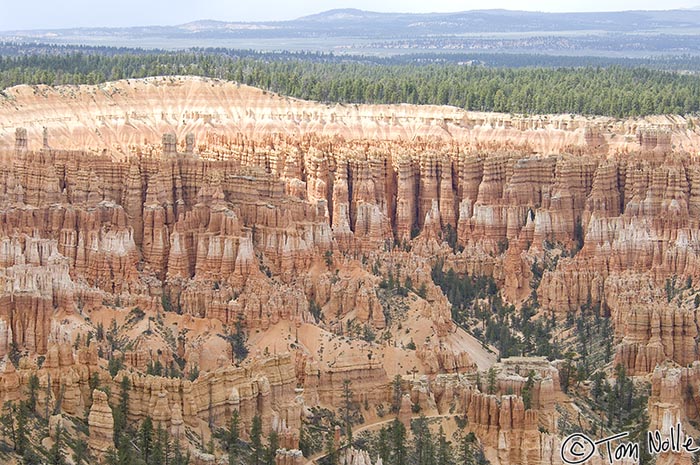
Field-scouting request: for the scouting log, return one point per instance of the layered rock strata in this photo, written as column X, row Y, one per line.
column 214, row 211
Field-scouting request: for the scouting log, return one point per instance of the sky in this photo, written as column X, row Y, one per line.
column 54, row 14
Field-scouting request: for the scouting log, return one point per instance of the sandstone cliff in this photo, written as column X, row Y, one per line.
column 186, row 213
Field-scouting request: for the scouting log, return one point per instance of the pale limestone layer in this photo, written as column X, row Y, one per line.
column 121, row 115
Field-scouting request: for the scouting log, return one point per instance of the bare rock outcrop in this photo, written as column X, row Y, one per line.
column 282, row 224
column 101, row 423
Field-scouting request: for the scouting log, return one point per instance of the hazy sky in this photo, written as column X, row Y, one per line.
column 35, row 14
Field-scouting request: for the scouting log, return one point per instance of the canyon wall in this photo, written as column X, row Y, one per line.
column 194, row 211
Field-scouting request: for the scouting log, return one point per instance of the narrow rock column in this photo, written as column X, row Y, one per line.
column 189, row 143
column 169, row 145
column 21, row 140
column 101, row 423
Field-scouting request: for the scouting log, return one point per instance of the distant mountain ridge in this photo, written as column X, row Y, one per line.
column 484, row 20
column 340, row 13
column 499, row 20
column 637, row 33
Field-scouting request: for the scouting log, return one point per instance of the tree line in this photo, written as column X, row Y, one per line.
column 423, row 446
column 617, row 90
column 681, row 62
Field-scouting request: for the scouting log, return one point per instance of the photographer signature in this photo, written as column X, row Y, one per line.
column 578, row 448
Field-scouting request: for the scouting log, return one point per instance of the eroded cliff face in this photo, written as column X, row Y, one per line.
column 509, row 432
column 215, row 210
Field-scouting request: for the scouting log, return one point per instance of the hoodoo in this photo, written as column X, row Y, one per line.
column 177, row 249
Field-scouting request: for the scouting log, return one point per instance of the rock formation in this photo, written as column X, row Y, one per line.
column 101, row 423
column 351, row 456
column 285, row 246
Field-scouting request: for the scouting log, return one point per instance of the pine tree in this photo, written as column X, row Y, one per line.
column 31, row 457
column 444, row 449
column 527, row 390
column 237, row 340
column 397, row 393
column 178, row 458
column 55, row 453
column 233, row 438
column 383, row 449
column 120, row 413
column 123, row 454
column 80, row 451
column 331, row 450
column 32, row 389
column 597, row 389
column 465, row 453
column 566, row 374
column 305, row 440
column 161, row 447
column 7, row 422
column 491, row 387
column 94, row 381
column 21, row 431
column 398, row 443
column 256, row 439
column 273, row 443
column 145, row 439
column 422, row 442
